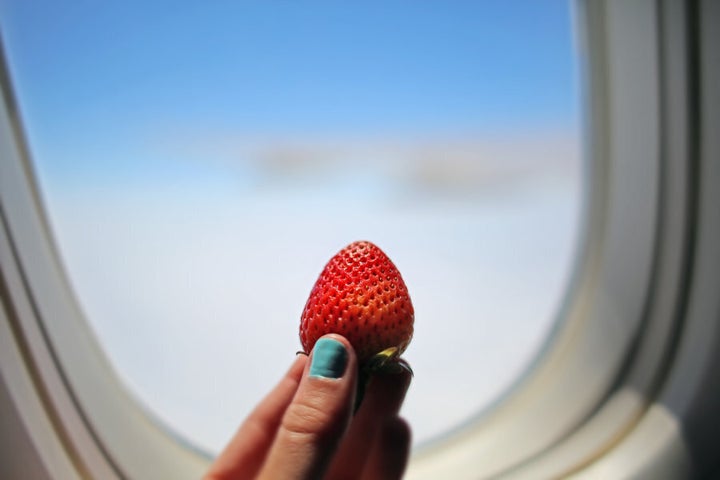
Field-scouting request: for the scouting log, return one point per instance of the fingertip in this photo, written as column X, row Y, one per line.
column 389, row 458
column 386, row 393
column 396, row 437
column 397, row 432
column 396, row 379
column 319, row 414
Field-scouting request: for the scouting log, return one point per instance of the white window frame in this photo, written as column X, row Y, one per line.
column 626, row 386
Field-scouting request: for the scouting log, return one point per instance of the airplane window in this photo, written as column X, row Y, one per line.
column 200, row 162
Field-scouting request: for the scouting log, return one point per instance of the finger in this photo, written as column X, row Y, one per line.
column 244, row 455
column 384, row 397
column 318, row 415
column 390, row 452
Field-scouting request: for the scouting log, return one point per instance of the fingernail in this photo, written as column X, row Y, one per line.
column 329, row 359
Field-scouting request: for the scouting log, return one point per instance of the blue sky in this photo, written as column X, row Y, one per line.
column 117, row 94
column 98, row 80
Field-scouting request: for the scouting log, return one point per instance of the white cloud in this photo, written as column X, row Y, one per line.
column 196, row 293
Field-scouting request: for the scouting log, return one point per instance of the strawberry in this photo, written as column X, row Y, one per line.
column 361, row 296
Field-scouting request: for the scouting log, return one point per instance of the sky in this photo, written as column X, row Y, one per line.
column 201, row 161
column 98, row 76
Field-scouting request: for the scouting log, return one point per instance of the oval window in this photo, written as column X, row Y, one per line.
column 200, row 163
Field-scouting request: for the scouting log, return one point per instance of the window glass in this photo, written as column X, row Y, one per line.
column 201, row 161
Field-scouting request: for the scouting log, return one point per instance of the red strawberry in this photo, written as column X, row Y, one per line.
column 361, row 296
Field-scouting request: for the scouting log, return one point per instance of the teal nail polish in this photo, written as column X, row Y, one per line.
column 329, row 359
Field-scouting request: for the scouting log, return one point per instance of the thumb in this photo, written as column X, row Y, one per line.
column 319, row 414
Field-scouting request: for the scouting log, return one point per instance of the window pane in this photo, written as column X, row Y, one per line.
column 202, row 161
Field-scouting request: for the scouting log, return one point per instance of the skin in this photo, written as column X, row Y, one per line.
column 305, row 429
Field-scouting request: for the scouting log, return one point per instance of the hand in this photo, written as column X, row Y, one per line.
column 305, row 428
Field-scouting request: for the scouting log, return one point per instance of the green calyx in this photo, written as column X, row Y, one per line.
column 387, row 361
